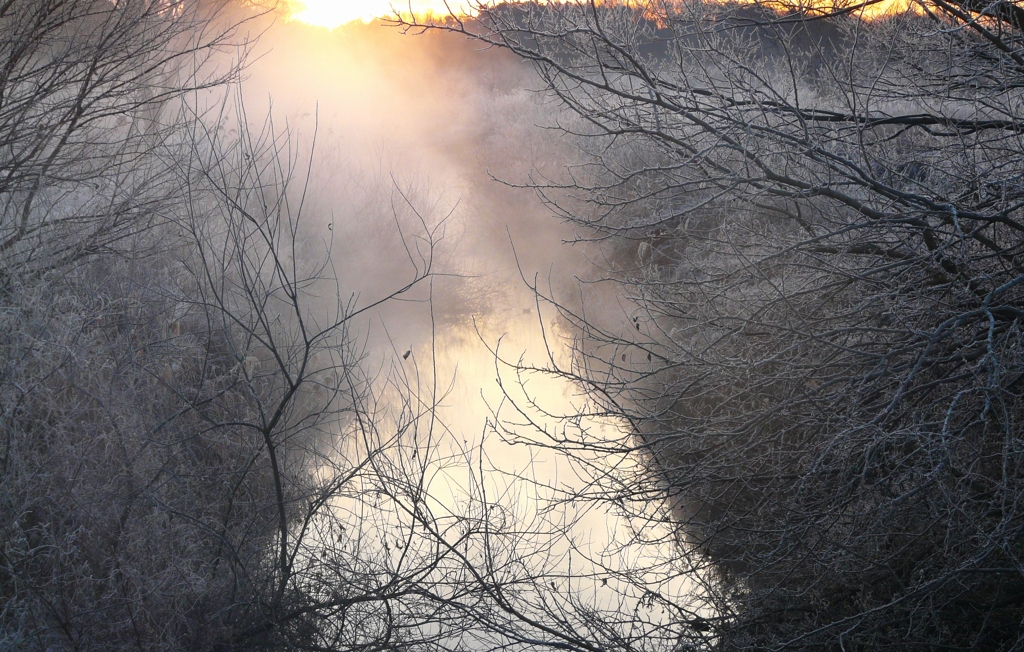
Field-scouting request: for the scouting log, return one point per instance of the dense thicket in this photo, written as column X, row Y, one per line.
column 188, row 446
column 818, row 216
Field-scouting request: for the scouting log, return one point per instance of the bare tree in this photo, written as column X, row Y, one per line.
column 817, row 216
column 338, row 463
column 194, row 455
column 89, row 94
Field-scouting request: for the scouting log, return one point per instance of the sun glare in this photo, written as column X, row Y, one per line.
column 334, row 13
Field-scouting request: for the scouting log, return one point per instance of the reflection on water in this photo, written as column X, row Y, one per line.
column 485, row 454
column 453, row 474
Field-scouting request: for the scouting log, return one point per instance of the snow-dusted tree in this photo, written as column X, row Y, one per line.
column 817, row 212
column 91, row 96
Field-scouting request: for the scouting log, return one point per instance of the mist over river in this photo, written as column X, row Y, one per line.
column 415, row 132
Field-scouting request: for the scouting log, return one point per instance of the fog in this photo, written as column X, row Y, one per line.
column 428, row 115
column 410, row 138
column 409, row 133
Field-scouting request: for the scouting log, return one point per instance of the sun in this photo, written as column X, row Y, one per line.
column 334, row 13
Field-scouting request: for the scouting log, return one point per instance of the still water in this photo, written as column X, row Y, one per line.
column 421, row 144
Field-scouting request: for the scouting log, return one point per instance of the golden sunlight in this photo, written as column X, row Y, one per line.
column 869, row 9
column 334, row 13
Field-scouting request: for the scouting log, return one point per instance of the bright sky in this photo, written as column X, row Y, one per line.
column 333, row 13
